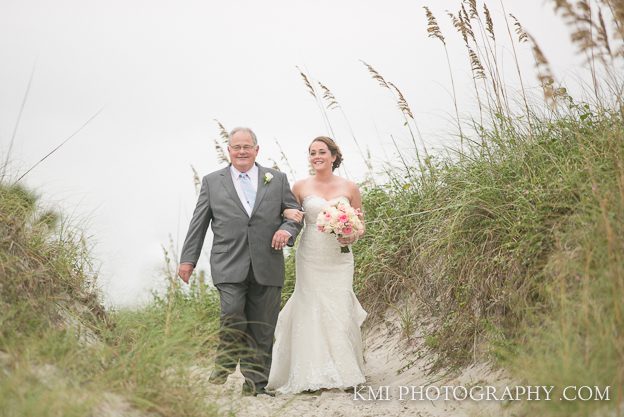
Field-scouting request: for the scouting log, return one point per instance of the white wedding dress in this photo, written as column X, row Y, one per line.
column 318, row 343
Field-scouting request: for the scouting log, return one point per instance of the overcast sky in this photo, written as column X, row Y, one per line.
column 164, row 70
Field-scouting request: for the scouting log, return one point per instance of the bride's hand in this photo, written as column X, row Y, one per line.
column 348, row 240
column 351, row 239
column 293, row 214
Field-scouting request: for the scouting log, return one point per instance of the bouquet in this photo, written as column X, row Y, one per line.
column 342, row 220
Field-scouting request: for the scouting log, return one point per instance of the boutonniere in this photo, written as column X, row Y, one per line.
column 267, row 178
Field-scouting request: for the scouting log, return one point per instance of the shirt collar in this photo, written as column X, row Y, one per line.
column 252, row 171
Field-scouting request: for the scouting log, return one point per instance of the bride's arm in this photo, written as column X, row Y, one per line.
column 294, row 214
column 356, row 202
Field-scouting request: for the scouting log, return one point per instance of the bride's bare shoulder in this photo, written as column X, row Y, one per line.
column 352, row 186
column 351, row 190
column 300, row 184
column 299, row 187
column 347, row 184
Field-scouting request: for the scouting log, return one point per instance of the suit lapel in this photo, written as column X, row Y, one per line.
column 262, row 187
column 226, row 175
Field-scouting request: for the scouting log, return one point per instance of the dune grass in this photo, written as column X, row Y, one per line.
column 514, row 243
column 62, row 354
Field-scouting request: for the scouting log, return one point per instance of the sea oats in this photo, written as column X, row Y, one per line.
column 489, row 23
column 617, row 11
column 376, row 76
column 284, row 158
column 432, row 26
column 332, row 103
column 475, row 64
column 434, row 32
column 221, row 155
column 544, row 72
column 465, row 20
column 472, row 4
column 522, row 36
column 403, row 106
column 196, row 180
column 565, row 8
column 223, row 131
column 458, row 24
column 586, row 25
column 582, row 23
column 402, row 102
column 582, row 37
column 275, row 166
column 307, row 83
column 603, row 36
column 584, row 7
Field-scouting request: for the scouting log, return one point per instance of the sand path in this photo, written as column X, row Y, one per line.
column 391, row 363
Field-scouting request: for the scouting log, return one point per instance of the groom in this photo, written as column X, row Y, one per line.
column 244, row 202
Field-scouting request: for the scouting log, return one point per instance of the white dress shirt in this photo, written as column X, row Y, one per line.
column 253, row 176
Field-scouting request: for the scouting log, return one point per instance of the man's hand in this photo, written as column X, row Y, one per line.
column 185, row 271
column 280, row 239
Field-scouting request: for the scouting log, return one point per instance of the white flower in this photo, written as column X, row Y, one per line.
column 268, row 177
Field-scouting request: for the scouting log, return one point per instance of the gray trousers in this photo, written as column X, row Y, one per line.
column 248, row 316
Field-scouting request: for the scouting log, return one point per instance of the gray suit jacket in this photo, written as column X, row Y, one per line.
column 241, row 240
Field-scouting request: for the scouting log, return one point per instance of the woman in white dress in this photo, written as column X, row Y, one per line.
column 318, row 340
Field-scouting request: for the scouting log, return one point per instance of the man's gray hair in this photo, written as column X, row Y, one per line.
column 242, row 129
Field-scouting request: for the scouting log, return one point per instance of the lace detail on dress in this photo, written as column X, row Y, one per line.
column 318, row 339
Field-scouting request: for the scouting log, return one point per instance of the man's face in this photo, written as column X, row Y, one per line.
column 242, row 151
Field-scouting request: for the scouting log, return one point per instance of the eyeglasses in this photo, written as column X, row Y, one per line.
column 237, row 148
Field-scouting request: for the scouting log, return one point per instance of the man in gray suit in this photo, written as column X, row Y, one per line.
column 244, row 202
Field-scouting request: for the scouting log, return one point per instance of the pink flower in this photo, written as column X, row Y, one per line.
column 340, row 220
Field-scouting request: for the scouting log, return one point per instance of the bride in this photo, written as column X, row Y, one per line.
column 318, row 341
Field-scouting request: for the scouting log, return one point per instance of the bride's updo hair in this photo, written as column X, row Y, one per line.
column 333, row 148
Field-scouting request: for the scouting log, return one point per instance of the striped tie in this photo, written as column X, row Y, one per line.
column 248, row 189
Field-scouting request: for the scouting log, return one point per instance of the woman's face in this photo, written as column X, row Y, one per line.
column 320, row 156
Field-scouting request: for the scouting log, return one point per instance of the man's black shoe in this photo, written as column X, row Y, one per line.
column 218, row 376
column 263, row 391
column 250, row 390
